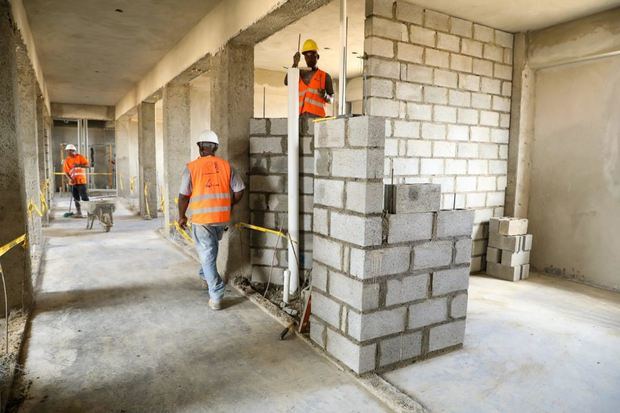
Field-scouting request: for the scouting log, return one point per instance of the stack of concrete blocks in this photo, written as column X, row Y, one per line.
column 388, row 288
column 268, row 196
column 508, row 254
column 444, row 84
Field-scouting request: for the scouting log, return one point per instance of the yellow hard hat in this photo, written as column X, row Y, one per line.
column 310, row 46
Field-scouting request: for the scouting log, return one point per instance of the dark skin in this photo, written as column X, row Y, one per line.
column 206, row 149
column 71, row 153
column 312, row 59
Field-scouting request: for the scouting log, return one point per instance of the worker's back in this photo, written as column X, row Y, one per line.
column 210, row 202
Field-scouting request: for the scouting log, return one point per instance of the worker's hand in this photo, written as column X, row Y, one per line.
column 182, row 221
column 296, row 58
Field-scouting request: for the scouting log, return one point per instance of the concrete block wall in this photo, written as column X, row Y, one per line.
column 388, row 288
column 508, row 254
column 444, row 85
column 268, row 195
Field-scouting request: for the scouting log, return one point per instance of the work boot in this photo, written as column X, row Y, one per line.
column 215, row 305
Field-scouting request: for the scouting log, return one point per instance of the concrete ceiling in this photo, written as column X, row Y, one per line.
column 518, row 15
column 322, row 25
column 92, row 54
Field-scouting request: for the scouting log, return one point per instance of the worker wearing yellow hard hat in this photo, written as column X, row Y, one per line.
column 315, row 86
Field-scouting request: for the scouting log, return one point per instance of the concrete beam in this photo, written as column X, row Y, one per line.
column 231, row 108
column 177, row 144
column 147, row 160
column 244, row 22
column 75, row 111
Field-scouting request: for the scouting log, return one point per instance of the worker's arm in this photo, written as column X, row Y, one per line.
column 237, row 196
column 83, row 163
column 183, row 204
column 66, row 169
column 296, row 58
column 329, row 86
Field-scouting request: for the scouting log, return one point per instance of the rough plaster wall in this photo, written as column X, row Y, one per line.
column 159, row 147
column 12, row 203
column 200, row 114
column 445, row 85
column 133, row 167
column 574, row 208
column 121, row 131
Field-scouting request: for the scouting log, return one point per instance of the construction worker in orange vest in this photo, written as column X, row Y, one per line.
column 315, row 86
column 74, row 168
column 209, row 189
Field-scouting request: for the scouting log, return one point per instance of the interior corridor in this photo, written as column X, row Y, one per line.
column 121, row 324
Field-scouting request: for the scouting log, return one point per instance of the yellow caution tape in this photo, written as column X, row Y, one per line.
column 162, row 201
column 317, row 120
column 146, row 198
column 132, row 184
column 183, row 232
column 261, row 229
column 6, row 247
column 87, row 173
column 32, row 207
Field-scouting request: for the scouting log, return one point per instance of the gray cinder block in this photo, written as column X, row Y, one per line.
column 327, row 252
column 494, row 255
column 319, row 276
column 432, row 254
column 505, row 242
column 258, row 126
column 410, row 227
column 329, row 192
column 317, row 332
column 279, row 126
column 379, row 323
column 410, row 198
column 364, row 197
column 458, row 306
column 455, row 223
column 401, row 347
column 367, row 131
column 330, row 134
column 446, row 335
column 362, row 231
column 367, row 264
column 447, row 281
column 357, row 163
column 463, row 251
column 504, row 272
column 525, row 271
column 513, row 259
column 513, row 226
column 326, row 309
column 358, row 295
column 526, row 245
column 358, row 358
column 428, row 312
column 409, row 288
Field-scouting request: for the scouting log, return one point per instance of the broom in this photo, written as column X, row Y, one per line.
column 69, row 214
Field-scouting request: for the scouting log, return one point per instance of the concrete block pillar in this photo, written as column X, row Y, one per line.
column 147, row 160
column 389, row 278
column 232, row 107
column 177, row 144
column 121, row 144
column 13, row 203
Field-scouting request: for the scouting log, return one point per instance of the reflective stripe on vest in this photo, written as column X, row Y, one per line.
column 309, row 99
column 210, row 202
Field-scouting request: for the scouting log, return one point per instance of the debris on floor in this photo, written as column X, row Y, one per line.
column 9, row 360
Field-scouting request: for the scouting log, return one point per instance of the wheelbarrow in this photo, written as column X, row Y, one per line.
column 101, row 210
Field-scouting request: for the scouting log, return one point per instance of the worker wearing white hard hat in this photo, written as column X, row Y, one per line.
column 209, row 189
column 74, row 168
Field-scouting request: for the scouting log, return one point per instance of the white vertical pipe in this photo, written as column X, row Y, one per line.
column 79, row 132
column 293, row 176
column 286, row 286
column 342, row 80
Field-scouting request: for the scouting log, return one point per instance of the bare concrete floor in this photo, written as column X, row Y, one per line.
column 122, row 325
column 540, row 345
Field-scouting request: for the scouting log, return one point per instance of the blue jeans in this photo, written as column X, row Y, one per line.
column 207, row 238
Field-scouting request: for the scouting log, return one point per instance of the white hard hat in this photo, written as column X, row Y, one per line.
column 70, row 147
column 208, row 136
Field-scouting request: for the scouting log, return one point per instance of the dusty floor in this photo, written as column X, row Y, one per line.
column 540, row 345
column 122, row 325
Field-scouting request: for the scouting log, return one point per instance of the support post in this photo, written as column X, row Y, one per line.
column 342, row 79
column 293, row 177
column 147, row 160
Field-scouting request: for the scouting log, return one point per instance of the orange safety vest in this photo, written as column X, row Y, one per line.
column 309, row 99
column 211, row 200
column 77, row 174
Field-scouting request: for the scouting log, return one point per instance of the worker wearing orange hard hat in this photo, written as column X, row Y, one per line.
column 315, row 86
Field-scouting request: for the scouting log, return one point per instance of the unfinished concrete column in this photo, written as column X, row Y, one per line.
column 232, row 107
column 121, row 143
column 26, row 127
column 521, row 132
column 177, row 144
column 148, row 169
column 12, row 203
column 42, row 142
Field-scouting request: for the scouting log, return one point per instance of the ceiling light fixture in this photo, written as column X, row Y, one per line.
column 118, row 10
